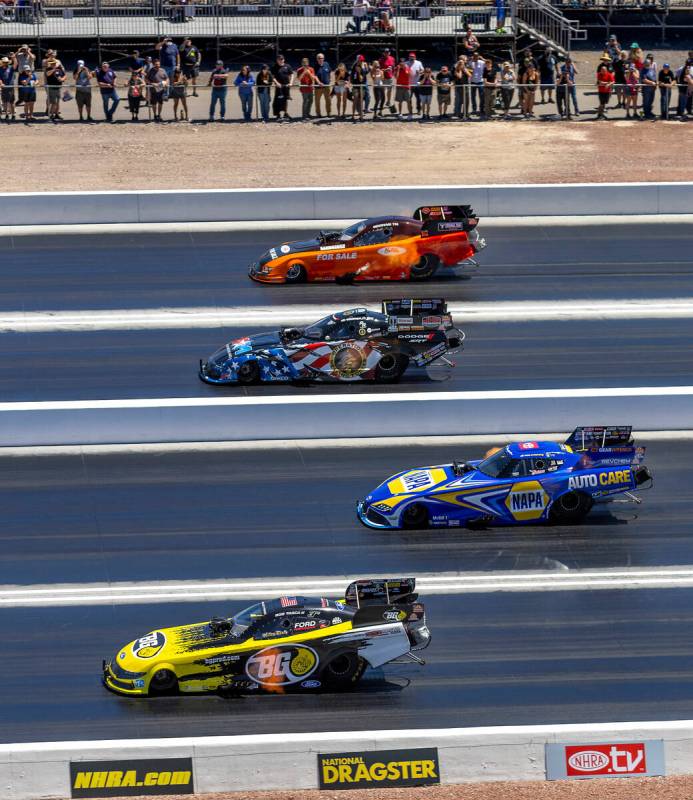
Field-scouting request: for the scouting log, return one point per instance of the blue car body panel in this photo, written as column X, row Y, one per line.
column 516, row 485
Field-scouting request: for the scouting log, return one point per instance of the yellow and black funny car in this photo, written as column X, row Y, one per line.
column 286, row 644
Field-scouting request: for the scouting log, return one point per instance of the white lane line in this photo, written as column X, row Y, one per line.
column 427, row 584
column 482, row 440
column 268, row 316
column 511, row 395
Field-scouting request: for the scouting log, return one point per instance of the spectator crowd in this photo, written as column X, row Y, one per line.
column 474, row 86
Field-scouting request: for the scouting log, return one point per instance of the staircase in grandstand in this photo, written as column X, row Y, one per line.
column 542, row 23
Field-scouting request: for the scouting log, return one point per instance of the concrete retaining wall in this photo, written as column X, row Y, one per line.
column 341, row 203
column 341, row 416
column 288, row 761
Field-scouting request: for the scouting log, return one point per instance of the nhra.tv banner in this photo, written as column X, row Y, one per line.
column 133, row 777
column 379, row 768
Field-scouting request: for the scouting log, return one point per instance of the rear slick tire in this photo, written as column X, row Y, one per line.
column 415, row 517
column 343, row 671
column 570, row 507
column 424, row 268
column 296, row 273
column 390, row 368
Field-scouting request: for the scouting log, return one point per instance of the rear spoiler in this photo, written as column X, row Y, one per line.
column 406, row 314
column 379, row 591
column 438, row 220
column 600, row 436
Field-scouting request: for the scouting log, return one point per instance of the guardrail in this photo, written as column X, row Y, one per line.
column 305, row 761
column 352, row 202
column 337, row 416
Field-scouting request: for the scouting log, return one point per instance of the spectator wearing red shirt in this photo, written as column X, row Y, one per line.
column 403, row 86
column 605, row 83
column 307, row 81
column 387, row 65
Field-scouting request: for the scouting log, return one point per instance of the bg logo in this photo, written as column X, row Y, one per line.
column 281, row 666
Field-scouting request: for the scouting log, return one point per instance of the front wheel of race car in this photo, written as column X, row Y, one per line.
column 425, row 267
column 249, row 373
column 414, row 517
column 296, row 273
column 163, row 682
column 390, row 368
column 343, row 671
column 570, row 507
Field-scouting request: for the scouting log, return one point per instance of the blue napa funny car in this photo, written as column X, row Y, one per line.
column 522, row 483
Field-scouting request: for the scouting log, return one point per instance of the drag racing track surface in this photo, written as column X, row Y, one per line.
column 495, row 659
column 498, row 355
column 210, row 269
column 291, row 513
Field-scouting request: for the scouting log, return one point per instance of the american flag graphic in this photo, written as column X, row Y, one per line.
column 288, row 601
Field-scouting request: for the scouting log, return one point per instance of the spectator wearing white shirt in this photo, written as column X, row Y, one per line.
column 359, row 12
column 478, row 66
column 416, row 69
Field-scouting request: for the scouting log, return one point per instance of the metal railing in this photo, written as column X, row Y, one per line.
column 546, row 23
column 228, row 18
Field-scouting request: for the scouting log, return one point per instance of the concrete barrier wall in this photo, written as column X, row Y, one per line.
column 341, row 416
column 341, row 203
column 289, row 761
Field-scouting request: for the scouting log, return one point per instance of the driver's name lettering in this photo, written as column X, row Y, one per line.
column 333, row 247
column 335, row 256
column 524, row 501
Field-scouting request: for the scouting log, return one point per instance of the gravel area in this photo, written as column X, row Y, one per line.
column 676, row 788
column 173, row 155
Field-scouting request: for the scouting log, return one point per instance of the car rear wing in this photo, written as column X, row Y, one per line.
column 596, row 436
column 407, row 314
column 380, row 591
column 604, row 445
column 438, row 220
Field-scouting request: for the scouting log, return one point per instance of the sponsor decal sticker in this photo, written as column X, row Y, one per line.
column 336, row 620
column 379, row 768
column 622, row 759
column 273, row 253
column 282, row 665
column 149, row 645
column 311, row 684
column 527, row 500
column 132, row 777
column 528, row 445
column 285, row 248
column 348, row 360
column 392, row 251
column 395, row 616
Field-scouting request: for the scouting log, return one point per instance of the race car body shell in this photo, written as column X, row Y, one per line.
column 278, row 645
column 384, row 249
column 520, row 488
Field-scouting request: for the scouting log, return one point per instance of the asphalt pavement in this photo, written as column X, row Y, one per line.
column 495, row 659
column 210, row 269
column 290, row 512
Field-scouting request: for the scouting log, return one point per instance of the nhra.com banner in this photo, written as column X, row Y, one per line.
column 378, row 768
column 133, row 777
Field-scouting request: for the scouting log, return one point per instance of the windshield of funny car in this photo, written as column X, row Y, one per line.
column 244, row 619
column 499, row 465
column 353, row 230
column 324, row 327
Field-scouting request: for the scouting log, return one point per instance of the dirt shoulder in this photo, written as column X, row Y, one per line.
column 675, row 788
column 174, row 155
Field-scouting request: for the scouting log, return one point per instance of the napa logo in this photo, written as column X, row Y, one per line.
column 417, row 480
column 527, row 500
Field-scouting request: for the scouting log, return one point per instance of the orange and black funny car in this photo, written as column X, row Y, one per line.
column 378, row 249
